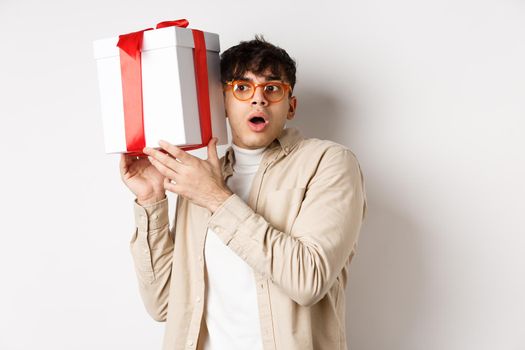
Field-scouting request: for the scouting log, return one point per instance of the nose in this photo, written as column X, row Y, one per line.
column 258, row 97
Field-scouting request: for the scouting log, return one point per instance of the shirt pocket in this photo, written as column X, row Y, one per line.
column 281, row 207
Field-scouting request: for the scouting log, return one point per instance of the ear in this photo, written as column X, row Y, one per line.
column 292, row 106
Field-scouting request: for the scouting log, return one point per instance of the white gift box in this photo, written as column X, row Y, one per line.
column 169, row 92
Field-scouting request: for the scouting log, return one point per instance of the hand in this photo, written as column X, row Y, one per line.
column 142, row 178
column 198, row 180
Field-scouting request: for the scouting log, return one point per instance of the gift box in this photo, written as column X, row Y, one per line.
column 160, row 84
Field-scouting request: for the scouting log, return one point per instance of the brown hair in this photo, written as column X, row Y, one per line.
column 257, row 56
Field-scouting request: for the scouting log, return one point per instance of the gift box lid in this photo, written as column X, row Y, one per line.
column 157, row 39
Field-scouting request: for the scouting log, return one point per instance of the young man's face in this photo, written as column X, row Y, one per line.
column 248, row 132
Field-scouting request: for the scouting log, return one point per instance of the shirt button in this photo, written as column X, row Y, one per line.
column 190, row 343
column 198, row 299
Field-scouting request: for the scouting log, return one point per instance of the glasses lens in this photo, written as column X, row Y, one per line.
column 242, row 90
column 274, row 91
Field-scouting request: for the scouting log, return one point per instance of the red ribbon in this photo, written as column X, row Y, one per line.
column 203, row 97
column 131, row 70
column 183, row 23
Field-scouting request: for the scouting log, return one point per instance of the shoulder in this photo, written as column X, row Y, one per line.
column 318, row 150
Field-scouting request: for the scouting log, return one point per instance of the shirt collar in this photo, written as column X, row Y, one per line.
column 288, row 139
column 285, row 142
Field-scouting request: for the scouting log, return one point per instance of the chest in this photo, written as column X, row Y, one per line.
column 278, row 190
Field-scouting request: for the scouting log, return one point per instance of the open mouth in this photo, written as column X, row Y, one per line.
column 257, row 120
column 257, row 123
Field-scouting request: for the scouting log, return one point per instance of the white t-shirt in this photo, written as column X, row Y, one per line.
column 231, row 312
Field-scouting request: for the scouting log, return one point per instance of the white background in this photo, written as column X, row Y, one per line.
column 429, row 94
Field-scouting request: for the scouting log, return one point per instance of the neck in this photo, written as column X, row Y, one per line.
column 247, row 157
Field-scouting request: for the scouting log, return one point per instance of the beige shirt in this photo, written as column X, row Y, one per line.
column 298, row 231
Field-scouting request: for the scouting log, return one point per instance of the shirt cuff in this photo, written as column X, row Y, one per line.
column 152, row 216
column 227, row 218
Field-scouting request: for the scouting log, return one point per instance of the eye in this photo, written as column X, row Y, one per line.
column 242, row 87
column 273, row 87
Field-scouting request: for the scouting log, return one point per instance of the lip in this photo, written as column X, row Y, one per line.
column 257, row 127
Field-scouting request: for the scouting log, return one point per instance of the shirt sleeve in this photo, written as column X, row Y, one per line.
column 152, row 250
column 305, row 262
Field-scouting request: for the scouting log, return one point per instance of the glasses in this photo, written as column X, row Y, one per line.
column 273, row 91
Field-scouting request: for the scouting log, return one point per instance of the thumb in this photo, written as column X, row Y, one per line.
column 124, row 164
column 212, row 152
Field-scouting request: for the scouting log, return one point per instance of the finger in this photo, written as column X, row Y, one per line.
column 125, row 162
column 163, row 158
column 125, row 159
column 172, row 187
column 123, row 166
column 163, row 169
column 213, row 157
column 176, row 152
column 122, row 161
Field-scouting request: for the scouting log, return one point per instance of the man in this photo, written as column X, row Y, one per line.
column 258, row 255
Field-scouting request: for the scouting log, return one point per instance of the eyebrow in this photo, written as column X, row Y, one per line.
column 268, row 78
